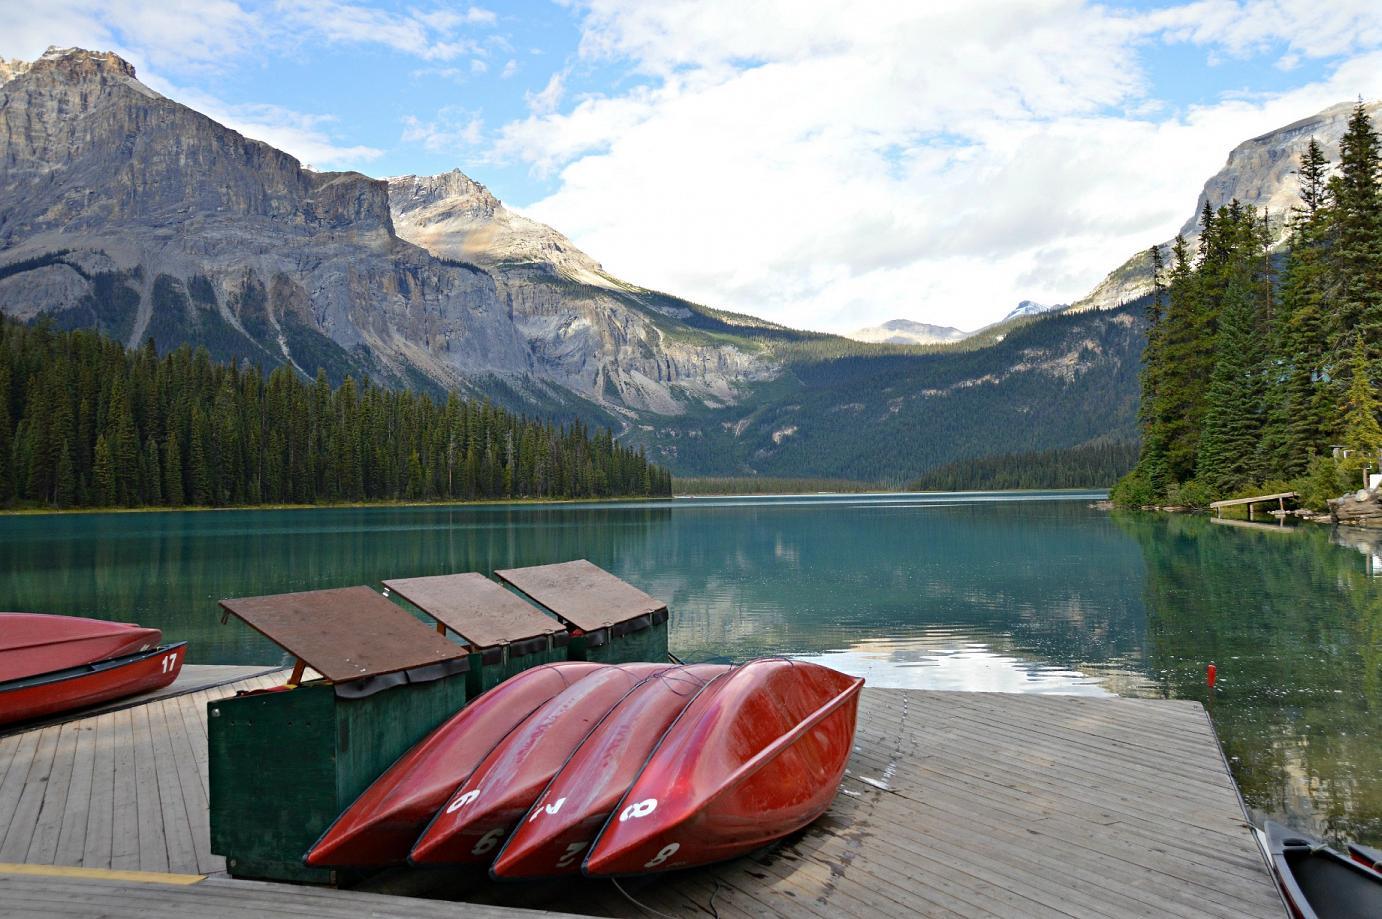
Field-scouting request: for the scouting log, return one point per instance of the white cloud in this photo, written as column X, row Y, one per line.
column 451, row 130
column 191, row 35
column 831, row 166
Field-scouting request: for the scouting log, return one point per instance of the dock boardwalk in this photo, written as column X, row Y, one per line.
column 955, row 804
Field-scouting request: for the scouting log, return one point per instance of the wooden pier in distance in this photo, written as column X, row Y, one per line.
column 1280, row 499
column 955, row 804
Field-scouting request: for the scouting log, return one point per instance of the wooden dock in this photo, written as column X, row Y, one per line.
column 1280, row 499
column 955, row 804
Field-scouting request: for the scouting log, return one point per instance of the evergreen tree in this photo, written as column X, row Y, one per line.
column 66, row 489
column 153, row 473
column 1357, row 255
column 1361, row 432
column 172, row 471
column 103, row 474
column 1227, row 458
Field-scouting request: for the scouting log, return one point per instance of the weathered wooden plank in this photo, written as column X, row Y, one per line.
column 25, row 816
column 15, row 777
column 180, row 853
column 72, row 834
column 124, row 843
column 96, row 841
column 153, row 844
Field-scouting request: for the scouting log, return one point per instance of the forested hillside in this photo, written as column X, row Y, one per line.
column 1094, row 465
column 1042, row 383
column 1257, row 364
column 85, row 422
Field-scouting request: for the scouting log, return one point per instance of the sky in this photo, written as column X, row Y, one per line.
column 825, row 165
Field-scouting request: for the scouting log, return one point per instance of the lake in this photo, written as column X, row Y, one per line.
column 1029, row 592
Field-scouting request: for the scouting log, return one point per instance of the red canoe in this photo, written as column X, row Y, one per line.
column 384, row 822
column 34, row 643
column 503, row 787
column 758, row 754
column 90, row 684
column 567, row 817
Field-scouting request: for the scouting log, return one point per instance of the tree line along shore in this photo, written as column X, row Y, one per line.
column 1262, row 359
column 86, row 422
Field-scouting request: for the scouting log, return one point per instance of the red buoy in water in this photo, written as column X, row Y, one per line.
column 1210, row 674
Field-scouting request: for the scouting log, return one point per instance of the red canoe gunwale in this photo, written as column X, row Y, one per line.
column 379, row 828
column 596, row 775
column 517, row 770
column 32, row 644
column 696, row 826
column 90, row 684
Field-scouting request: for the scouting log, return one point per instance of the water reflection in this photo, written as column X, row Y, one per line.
column 1036, row 593
column 926, row 663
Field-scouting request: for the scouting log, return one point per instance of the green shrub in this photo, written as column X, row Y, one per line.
column 1133, row 490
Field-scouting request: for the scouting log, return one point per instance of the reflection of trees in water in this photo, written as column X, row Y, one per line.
column 169, row 570
column 1033, row 580
column 1295, row 627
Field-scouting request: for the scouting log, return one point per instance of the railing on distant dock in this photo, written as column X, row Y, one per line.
column 1279, row 498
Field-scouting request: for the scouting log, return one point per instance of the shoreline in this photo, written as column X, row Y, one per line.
column 335, row 505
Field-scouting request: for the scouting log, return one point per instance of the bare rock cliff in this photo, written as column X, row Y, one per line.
column 1260, row 173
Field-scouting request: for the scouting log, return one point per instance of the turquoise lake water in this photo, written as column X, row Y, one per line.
column 1030, row 592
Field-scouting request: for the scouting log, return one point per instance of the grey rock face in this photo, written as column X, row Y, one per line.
column 588, row 331
column 129, row 211
column 1260, row 173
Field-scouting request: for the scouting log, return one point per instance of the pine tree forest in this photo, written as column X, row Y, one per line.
column 1261, row 359
column 84, row 422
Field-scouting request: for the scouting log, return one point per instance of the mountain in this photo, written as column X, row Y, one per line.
column 1260, row 173
column 1032, row 308
column 128, row 212
column 907, row 332
column 137, row 215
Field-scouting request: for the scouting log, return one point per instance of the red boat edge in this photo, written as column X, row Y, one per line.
column 380, row 827
column 482, row 812
column 758, row 755
column 32, row 644
column 568, row 815
column 90, row 684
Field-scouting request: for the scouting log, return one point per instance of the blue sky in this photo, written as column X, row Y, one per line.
column 822, row 164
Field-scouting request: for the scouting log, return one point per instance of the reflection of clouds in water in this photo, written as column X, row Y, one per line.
column 914, row 664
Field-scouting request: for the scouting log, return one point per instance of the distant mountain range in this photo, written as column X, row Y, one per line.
column 130, row 213
column 908, row 332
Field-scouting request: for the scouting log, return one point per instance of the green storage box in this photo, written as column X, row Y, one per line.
column 505, row 634
column 285, row 764
column 610, row 620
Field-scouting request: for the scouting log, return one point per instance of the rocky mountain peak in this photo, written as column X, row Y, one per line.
column 453, row 216
column 1259, row 173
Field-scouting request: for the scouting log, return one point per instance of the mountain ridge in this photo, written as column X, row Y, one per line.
column 138, row 216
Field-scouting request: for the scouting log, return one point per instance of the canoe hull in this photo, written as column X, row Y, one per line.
column 380, row 827
column 91, row 684
column 1319, row 882
column 36, row 643
column 483, row 811
column 568, row 815
column 758, row 755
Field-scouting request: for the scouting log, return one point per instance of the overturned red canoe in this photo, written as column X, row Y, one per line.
column 758, row 754
column 34, row 643
column 90, row 684
column 384, row 822
column 568, row 815
column 503, row 787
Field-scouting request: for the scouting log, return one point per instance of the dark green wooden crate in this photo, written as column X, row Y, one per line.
column 642, row 639
column 284, row 765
